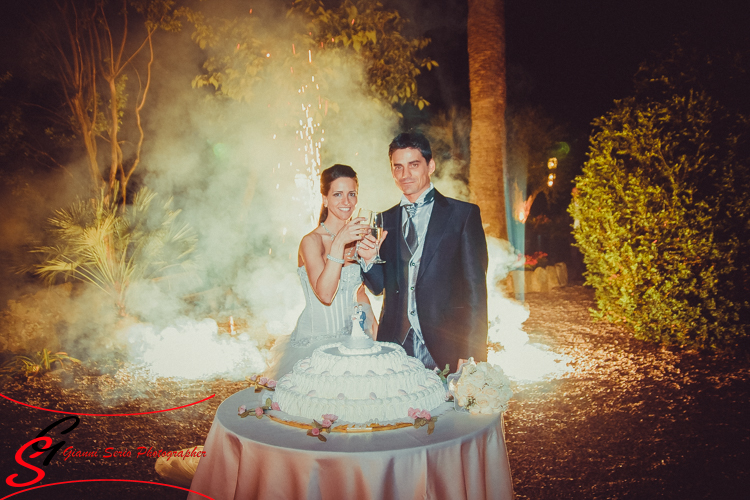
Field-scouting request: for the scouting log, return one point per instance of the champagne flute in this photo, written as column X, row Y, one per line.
column 375, row 221
column 376, row 225
column 365, row 214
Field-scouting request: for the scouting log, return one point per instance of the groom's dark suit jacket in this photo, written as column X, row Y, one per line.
column 451, row 288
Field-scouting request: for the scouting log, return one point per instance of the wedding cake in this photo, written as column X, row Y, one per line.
column 360, row 381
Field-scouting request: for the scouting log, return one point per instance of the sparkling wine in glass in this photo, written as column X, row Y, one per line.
column 376, row 227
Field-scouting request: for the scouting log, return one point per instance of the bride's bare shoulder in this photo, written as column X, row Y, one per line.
column 312, row 239
column 314, row 235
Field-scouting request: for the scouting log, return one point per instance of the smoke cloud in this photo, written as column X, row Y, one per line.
column 244, row 175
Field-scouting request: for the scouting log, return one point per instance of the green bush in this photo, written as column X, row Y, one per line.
column 663, row 217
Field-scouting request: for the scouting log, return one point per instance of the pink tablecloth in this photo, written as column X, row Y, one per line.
column 248, row 458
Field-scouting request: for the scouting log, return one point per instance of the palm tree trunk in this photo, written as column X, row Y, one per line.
column 486, row 44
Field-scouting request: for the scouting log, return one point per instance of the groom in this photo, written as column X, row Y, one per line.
column 434, row 277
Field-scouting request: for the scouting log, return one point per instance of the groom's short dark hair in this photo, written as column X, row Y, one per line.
column 413, row 140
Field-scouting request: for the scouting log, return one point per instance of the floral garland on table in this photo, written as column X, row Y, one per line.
column 261, row 383
column 243, row 412
column 480, row 388
column 423, row 417
column 323, row 426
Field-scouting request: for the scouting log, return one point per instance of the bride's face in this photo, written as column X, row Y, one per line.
column 342, row 198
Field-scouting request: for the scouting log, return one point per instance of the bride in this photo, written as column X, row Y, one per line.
column 330, row 276
column 329, row 273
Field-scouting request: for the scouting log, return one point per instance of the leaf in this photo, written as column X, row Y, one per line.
column 430, row 427
column 269, row 403
column 322, row 437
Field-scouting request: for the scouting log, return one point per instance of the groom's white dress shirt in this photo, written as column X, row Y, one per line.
column 421, row 221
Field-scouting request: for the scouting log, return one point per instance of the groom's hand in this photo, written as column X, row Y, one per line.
column 368, row 247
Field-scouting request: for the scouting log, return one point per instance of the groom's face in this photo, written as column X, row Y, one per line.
column 411, row 172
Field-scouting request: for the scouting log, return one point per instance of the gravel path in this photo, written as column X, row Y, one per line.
column 630, row 420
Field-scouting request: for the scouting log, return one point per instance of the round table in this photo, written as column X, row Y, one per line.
column 250, row 458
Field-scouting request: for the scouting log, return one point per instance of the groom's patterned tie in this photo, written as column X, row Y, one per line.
column 410, row 229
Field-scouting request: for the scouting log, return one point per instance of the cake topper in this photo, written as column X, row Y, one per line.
column 358, row 339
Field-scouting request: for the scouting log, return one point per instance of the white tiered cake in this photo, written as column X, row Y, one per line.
column 359, row 381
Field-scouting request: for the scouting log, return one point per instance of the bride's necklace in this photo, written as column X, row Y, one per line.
column 333, row 236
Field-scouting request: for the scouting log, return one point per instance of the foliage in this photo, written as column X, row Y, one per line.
column 235, row 55
column 10, row 120
column 96, row 241
column 242, row 51
column 534, row 138
column 448, row 133
column 687, row 66
column 95, row 56
column 663, row 218
column 42, row 362
column 391, row 59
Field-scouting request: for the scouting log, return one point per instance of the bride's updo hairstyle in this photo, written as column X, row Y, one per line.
column 327, row 177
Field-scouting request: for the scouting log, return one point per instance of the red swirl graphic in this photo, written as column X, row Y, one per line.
column 102, row 480
column 105, row 414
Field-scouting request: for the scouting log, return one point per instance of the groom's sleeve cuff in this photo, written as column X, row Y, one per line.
column 364, row 265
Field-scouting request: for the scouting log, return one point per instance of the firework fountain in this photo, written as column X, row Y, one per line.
column 251, row 229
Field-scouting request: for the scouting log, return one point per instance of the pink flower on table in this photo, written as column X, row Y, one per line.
column 271, row 383
column 259, row 412
column 326, row 423
column 413, row 413
column 275, row 406
column 331, row 417
column 263, row 381
column 242, row 409
column 315, row 431
column 424, row 414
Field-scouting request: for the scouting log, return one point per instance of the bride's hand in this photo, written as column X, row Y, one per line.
column 352, row 231
column 368, row 248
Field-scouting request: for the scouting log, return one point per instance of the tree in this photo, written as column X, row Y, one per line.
column 239, row 54
column 486, row 46
column 91, row 52
column 532, row 139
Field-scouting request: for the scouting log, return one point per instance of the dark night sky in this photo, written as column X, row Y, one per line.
column 574, row 57
column 570, row 57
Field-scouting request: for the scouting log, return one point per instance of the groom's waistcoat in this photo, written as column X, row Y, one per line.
column 403, row 279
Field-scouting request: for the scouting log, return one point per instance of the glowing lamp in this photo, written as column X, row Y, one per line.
column 552, row 163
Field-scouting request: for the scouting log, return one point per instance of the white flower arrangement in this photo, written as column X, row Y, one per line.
column 480, row 388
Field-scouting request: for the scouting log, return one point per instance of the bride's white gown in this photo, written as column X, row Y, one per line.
column 319, row 324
